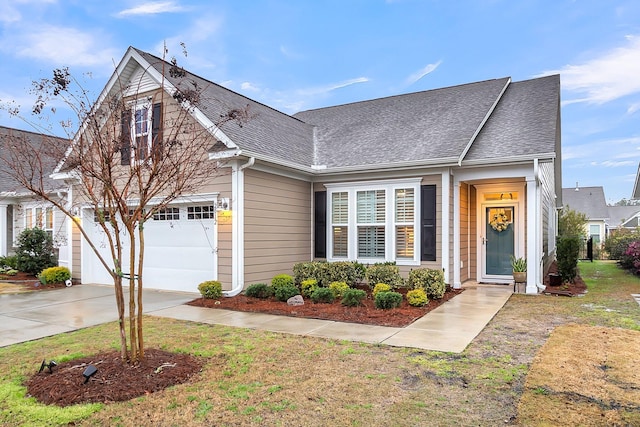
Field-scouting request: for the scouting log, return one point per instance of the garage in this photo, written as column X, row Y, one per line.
column 180, row 248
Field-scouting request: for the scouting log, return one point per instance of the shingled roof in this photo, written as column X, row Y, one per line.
column 587, row 200
column 492, row 121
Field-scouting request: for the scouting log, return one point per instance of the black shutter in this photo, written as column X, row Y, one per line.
column 156, row 132
column 428, row 222
column 125, row 138
column 320, row 225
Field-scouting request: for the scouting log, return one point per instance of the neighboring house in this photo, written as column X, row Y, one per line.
column 623, row 217
column 457, row 179
column 19, row 209
column 591, row 202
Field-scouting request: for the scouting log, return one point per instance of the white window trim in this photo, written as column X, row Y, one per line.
column 139, row 105
column 389, row 186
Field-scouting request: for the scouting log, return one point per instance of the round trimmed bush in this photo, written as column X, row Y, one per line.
column 34, row 251
column 211, row 289
column 380, row 287
column 259, row 290
column 353, row 297
column 387, row 300
column 308, row 286
column 322, row 295
column 384, row 273
column 431, row 280
column 417, row 297
column 284, row 292
column 338, row 288
column 282, row 280
column 54, row 275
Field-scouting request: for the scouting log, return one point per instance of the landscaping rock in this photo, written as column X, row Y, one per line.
column 296, row 300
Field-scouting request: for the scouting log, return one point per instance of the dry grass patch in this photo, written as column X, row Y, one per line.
column 10, row 288
column 584, row 375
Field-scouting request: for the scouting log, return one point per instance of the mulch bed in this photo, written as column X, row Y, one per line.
column 29, row 282
column 114, row 381
column 367, row 313
column 566, row 289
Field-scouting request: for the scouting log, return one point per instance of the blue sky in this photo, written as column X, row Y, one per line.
column 299, row 54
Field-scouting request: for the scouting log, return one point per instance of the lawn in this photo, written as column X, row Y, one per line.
column 527, row 364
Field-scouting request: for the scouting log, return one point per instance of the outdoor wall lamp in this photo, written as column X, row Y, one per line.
column 89, row 372
column 52, row 364
column 223, row 204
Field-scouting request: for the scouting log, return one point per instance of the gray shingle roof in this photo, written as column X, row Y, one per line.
column 620, row 214
column 587, row 200
column 35, row 140
column 432, row 127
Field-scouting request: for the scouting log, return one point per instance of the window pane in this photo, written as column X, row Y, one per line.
column 201, row 212
column 48, row 224
column 29, row 218
column 340, row 238
column 39, row 217
column 141, row 125
column 404, row 241
column 340, row 208
column 167, row 214
column 371, row 242
column 370, row 206
column 404, row 204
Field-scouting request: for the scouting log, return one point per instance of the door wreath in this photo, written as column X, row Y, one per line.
column 499, row 221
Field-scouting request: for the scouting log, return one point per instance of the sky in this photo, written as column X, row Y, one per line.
column 296, row 55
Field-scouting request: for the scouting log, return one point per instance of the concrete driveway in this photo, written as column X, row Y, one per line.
column 33, row 315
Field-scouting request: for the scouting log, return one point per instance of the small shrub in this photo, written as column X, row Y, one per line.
column 340, row 271
column 338, row 288
column 567, row 253
column 380, row 287
column 360, row 269
column 417, row 297
column 388, row 300
column 431, row 280
column 384, row 273
column 54, row 275
column 211, row 289
column 353, row 297
column 259, row 290
column 9, row 261
column 322, row 295
column 308, row 286
column 618, row 242
column 34, row 251
column 11, row 272
column 282, row 280
column 284, row 292
column 307, row 270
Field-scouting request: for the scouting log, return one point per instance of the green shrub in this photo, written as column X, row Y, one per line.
column 388, row 300
column 417, row 297
column 340, row 271
column 618, row 242
column 384, row 273
column 284, row 292
column 360, row 269
column 338, row 288
column 54, row 275
column 353, row 297
column 568, row 253
column 308, row 286
column 307, row 270
column 34, row 252
column 322, row 295
column 211, row 289
column 282, row 280
column 380, row 287
column 11, row 272
column 259, row 290
column 431, row 280
column 9, row 261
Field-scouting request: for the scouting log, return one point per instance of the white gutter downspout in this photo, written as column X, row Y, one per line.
column 237, row 228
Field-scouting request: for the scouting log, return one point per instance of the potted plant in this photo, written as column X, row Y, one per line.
column 519, row 266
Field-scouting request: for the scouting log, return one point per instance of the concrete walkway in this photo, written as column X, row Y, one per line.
column 450, row 327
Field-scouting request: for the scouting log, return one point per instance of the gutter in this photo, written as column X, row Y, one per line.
column 237, row 230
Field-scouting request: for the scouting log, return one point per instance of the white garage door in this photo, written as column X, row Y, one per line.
column 180, row 249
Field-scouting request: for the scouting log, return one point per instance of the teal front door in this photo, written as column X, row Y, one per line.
column 499, row 240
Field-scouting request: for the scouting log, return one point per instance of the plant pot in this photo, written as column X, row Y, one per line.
column 520, row 276
column 555, row 279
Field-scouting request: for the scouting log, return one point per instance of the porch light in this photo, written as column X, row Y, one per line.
column 223, row 204
column 52, row 364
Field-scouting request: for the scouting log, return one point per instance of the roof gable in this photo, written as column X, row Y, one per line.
column 587, row 200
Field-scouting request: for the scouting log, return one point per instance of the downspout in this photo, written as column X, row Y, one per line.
column 237, row 228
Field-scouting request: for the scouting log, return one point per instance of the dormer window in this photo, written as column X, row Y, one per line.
column 141, row 133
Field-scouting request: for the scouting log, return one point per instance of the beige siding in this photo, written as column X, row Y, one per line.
column 464, row 232
column 548, row 214
column 277, row 225
column 76, row 269
column 473, row 232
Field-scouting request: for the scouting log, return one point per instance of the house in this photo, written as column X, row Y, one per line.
column 591, row 202
column 19, row 209
column 457, row 179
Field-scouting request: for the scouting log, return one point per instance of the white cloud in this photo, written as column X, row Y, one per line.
column 332, row 86
column 249, row 87
column 423, row 72
column 614, row 164
column 9, row 9
column 633, row 108
column 66, row 46
column 608, row 77
column 152, row 8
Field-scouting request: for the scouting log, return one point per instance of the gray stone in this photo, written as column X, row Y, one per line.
column 296, row 300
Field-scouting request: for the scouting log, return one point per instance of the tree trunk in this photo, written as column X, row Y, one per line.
column 133, row 335
column 140, row 308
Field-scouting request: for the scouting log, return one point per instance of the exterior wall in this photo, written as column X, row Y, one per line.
column 473, row 233
column 465, row 236
column 277, row 225
column 549, row 214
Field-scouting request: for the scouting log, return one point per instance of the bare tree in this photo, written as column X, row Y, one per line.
column 133, row 154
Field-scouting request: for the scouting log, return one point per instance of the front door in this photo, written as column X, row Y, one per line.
column 499, row 241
